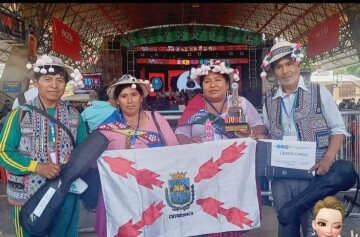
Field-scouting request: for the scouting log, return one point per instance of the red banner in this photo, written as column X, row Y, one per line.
column 32, row 45
column 323, row 37
column 65, row 40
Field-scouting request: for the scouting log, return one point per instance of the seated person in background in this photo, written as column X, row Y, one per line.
column 173, row 105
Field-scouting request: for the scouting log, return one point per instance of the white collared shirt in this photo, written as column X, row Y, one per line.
column 330, row 110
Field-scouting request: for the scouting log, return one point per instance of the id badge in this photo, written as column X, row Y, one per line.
column 53, row 157
column 290, row 138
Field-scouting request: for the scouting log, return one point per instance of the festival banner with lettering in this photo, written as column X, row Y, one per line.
column 193, row 48
column 188, row 61
column 65, row 40
column 323, row 37
column 182, row 190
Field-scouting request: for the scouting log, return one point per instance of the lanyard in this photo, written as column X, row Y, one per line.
column 53, row 156
column 134, row 137
column 289, row 115
column 212, row 106
column 52, row 131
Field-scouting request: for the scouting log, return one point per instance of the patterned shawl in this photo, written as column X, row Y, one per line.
column 117, row 123
column 196, row 113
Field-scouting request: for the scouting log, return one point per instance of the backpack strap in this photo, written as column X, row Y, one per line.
column 87, row 127
column 158, row 128
column 21, row 99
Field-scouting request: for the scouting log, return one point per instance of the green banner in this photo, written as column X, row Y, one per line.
column 197, row 32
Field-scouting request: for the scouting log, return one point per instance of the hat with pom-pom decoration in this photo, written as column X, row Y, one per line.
column 74, row 76
column 217, row 66
column 145, row 85
column 279, row 50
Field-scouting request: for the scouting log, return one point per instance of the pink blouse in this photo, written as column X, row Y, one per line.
column 117, row 140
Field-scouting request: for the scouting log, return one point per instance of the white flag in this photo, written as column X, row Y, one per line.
column 180, row 190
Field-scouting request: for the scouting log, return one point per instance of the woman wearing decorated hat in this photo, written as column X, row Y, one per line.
column 133, row 128
column 215, row 80
column 33, row 148
column 204, row 118
column 299, row 110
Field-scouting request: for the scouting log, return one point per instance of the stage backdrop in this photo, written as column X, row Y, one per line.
column 181, row 190
column 160, row 77
column 173, row 75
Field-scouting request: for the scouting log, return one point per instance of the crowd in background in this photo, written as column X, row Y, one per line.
column 170, row 100
column 162, row 101
column 349, row 104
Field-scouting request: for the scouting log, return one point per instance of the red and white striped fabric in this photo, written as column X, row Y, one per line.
column 180, row 190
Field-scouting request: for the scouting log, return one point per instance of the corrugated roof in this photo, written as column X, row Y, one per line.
column 94, row 21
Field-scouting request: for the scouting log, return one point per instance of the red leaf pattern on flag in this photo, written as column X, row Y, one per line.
column 122, row 166
column 147, row 178
column 128, row 230
column 229, row 155
column 149, row 216
column 234, row 215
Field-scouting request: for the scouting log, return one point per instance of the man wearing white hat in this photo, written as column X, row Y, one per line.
column 33, row 147
column 299, row 110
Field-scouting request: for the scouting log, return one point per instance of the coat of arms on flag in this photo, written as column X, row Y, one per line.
column 182, row 190
column 179, row 194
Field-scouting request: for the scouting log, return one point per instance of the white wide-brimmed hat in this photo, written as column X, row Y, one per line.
column 280, row 49
column 145, row 85
column 215, row 66
column 74, row 75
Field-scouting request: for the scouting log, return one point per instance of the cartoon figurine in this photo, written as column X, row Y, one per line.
column 329, row 215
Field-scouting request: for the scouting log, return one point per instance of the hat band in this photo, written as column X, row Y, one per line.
column 281, row 50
